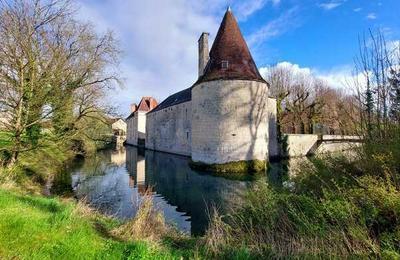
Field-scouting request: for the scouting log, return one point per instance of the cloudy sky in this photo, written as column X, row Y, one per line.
column 158, row 38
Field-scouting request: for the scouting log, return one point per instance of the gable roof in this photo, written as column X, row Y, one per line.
column 146, row 105
column 229, row 45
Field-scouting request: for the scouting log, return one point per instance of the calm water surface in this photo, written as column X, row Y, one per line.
column 115, row 181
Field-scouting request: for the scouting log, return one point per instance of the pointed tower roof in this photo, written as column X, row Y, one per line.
column 230, row 57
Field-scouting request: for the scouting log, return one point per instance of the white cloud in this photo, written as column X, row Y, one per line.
column 341, row 77
column 244, row 9
column 159, row 43
column 295, row 68
column 371, row 16
column 357, row 9
column 159, row 40
column 247, row 8
column 394, row 45
column 274, row 28
column 330, row 5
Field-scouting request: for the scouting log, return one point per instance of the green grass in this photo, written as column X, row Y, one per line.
column 33, row 227
column 335, row 209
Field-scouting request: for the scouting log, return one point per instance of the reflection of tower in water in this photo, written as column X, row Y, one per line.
column 182, row 194
column 140, row 175
column 136, row 165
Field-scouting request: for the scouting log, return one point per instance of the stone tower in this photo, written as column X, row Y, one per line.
column 229, row 103
column 203, row 52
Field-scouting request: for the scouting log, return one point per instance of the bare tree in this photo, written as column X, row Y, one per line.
column 47, row 61
column 378, row 66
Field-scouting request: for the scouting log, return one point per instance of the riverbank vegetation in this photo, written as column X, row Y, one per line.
column 336, row 208
column 34, row 227
column 54, row 75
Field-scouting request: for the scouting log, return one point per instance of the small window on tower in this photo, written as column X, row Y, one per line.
column 225, row 64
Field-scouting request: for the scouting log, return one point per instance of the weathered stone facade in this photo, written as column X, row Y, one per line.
column 170, row 129
column 229, row 121
column 136, row 126
column 136, row 121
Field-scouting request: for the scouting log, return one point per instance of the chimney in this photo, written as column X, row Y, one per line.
column 203, row 52
column 133, row 107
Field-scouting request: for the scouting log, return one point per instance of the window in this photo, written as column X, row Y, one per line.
column 187, row 135
column 225, row 64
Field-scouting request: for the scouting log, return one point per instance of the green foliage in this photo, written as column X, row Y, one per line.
column 44, row 228
column 336, row 208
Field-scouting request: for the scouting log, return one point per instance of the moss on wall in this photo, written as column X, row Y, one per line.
column 231, row 168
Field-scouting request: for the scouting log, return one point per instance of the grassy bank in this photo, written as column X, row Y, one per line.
column 336, row 208
column 34, row 227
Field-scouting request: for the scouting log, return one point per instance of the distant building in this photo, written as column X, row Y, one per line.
column 118, row 126
column 225, row 116
column 136, row 121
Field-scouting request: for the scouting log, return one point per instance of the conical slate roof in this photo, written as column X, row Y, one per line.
column 230, row 57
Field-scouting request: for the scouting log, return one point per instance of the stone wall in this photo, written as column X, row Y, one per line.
column 169, row 129
column 300, row 144
column 136, row 128
column 229, row 121
column 131, row 132
column 332, row 143
column 273, row 147
column 308, row 144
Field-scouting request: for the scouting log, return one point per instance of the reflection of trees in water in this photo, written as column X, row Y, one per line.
column 171, row 177
column 180, row 192
column 104, row 185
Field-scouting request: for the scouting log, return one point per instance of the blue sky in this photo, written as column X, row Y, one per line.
column 159, row 37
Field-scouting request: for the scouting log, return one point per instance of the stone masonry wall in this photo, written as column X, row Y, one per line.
column 131, row 137
column 169, row 129
column 229, row 121
column 307, row 144
column 136, row 128
column 273, row 147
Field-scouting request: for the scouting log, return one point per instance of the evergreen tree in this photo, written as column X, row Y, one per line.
column 395, row 95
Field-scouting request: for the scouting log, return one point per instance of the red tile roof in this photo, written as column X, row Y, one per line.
column 230, row 46
column 146, row 105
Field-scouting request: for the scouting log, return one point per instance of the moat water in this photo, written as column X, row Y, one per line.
column 115, row 181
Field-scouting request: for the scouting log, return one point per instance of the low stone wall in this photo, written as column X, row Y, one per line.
column 299, row 144
column 309, row 144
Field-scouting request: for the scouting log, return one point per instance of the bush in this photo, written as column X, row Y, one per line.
column 336, row 208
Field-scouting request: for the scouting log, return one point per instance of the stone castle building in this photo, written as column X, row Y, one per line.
column 225, row 116
column 136, row 121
